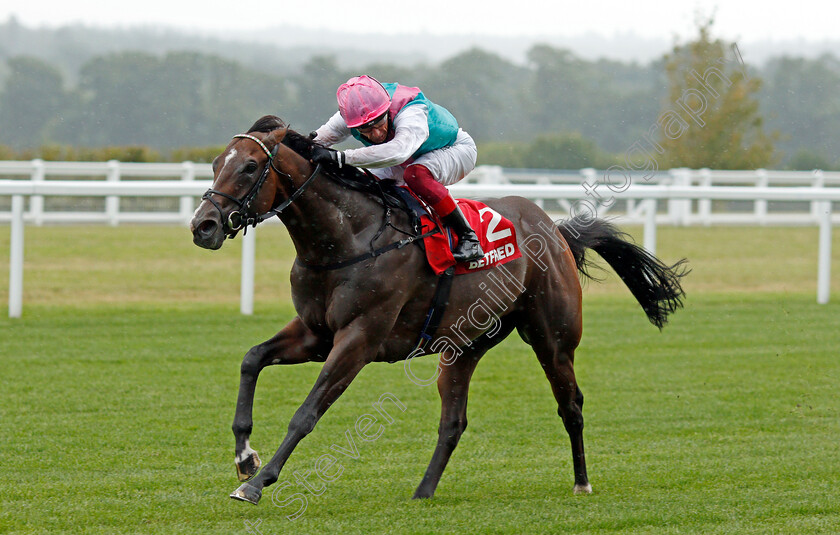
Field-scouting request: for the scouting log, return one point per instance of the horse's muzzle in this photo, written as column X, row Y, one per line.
column 207, row 233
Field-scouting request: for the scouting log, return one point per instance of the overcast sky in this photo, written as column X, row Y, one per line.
column 743, row 20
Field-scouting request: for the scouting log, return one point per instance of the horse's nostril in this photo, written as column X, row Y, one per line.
column 206, row 228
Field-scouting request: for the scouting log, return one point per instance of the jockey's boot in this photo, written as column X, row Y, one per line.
column 468, row 247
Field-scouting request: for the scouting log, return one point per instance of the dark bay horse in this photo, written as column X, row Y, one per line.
column 351, row 313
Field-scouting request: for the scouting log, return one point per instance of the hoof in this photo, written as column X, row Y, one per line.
column 248, row 467
column 247, row 493
column 583, row 489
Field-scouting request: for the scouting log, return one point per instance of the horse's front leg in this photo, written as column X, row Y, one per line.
column 292, row 345
column 353, row 349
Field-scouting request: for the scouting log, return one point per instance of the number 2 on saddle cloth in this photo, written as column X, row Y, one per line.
column 496, row 234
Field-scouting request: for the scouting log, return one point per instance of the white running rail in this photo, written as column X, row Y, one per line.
column 644, row 199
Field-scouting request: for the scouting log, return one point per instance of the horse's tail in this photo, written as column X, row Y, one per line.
column 654, row 284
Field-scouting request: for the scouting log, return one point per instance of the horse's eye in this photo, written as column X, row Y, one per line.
column 251, row 167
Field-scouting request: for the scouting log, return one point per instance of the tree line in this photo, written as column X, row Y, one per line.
column 555, row 111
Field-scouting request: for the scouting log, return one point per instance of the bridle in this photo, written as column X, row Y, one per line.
column 239, row 219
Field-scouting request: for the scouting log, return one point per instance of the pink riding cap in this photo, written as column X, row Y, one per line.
column 361, row 100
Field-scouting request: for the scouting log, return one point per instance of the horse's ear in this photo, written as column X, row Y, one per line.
column 276, row 136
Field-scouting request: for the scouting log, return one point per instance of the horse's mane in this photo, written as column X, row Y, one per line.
column 266, row 124
column 348, row 176
column 295, row 141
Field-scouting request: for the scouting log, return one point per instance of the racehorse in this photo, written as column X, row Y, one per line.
column 355, row 306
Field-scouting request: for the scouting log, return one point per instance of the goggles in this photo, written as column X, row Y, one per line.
column 376, row 123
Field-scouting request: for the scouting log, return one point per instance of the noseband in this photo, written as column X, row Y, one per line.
column 238, row 219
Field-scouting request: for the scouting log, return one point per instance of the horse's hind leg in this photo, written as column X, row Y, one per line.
column 559, row 369
column 554, row 338
column 292, row 345
column 570, row 408
column 453, row 386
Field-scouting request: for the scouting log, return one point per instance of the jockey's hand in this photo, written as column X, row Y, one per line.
column 327, row 156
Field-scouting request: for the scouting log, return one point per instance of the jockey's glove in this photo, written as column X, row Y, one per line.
column 327, row 156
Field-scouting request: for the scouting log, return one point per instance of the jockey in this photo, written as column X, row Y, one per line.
column 408, row 139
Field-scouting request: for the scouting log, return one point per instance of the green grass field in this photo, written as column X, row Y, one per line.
column 118, row 386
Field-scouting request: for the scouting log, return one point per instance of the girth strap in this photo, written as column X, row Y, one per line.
column 370, row 254
column 439, row 303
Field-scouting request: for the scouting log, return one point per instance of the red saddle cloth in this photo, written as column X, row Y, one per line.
column 496, row 234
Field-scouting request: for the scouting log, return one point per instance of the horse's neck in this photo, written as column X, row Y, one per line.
column 329, row 222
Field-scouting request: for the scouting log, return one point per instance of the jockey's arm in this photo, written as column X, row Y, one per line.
column 333, row 131
column 411, row 130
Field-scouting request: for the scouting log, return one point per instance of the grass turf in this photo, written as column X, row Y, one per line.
column 119, row 383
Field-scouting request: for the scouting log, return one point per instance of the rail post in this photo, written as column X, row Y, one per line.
column 763, row 180
column 36, row 202
column 817, row 182
column 16, row 258
column 246, row 292
column 704, row 206
column 650, row 226
column 187, row 175
column 112, row 202
column 824, row 262
column 589, row 179
column 679, row 210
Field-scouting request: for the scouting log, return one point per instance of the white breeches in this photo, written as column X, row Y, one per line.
column 448, row 165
